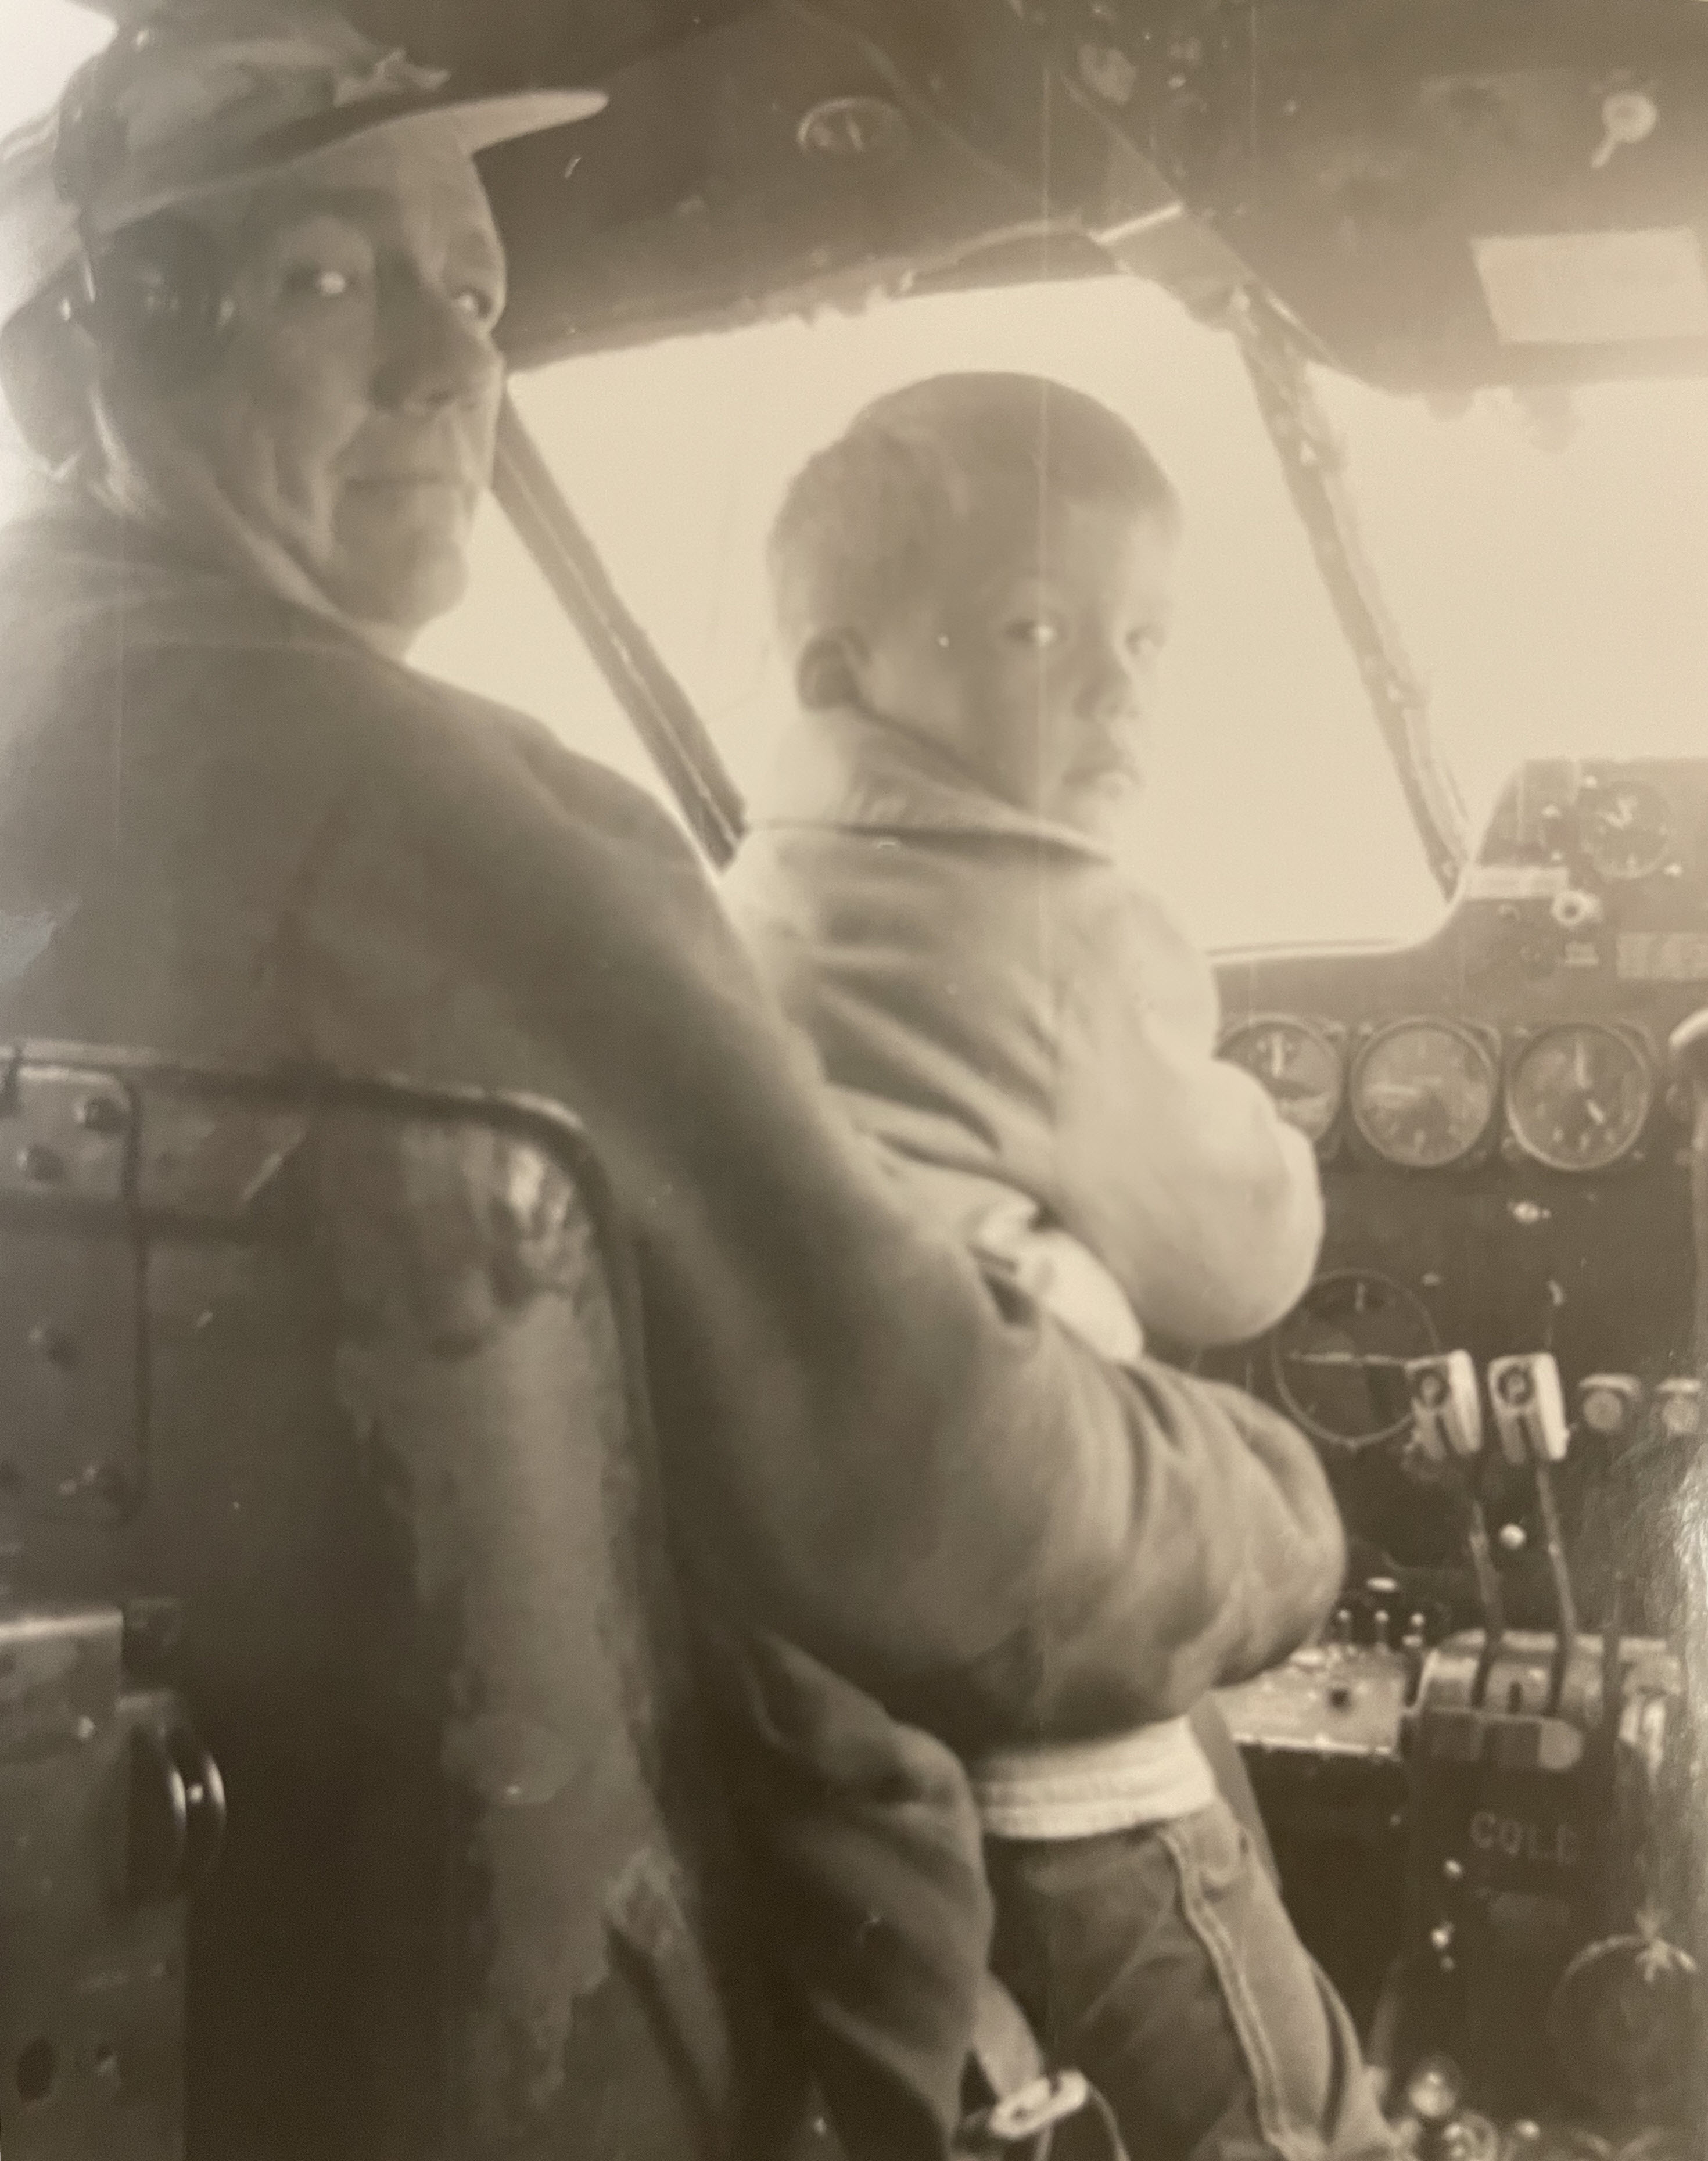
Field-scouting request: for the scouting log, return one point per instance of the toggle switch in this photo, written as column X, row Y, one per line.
column 1628, row 117
column 1530, row 1409
column 1610, row 1405
column 1575, row 911
column 1446, row 1407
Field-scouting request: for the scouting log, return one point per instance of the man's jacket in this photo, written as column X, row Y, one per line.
column 231, row 833
column 999, row 1001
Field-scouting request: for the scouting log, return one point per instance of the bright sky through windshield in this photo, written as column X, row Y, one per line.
column 1549, row 568
column 677, row 456
column 43, row 41
column 1551, row 595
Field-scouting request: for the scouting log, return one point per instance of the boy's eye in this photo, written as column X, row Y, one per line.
column 1033, row 633
column 480, row 305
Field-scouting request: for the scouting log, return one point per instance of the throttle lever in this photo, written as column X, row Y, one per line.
column 1688, row 1046
column 1447, row 1426
column 1530, row 1409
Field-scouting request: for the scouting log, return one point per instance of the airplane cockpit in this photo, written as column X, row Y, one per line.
column 1483, row 1781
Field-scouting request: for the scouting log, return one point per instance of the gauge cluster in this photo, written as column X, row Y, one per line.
column 1428, row 1093
column 1618, row 824
column 1506, row 1174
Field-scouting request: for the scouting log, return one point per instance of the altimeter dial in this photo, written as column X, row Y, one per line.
column 1424, row 1093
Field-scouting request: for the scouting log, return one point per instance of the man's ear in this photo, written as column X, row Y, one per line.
column 828, row 672
column 47, row 376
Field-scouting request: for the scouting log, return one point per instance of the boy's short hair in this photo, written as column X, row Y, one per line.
column 861, row 518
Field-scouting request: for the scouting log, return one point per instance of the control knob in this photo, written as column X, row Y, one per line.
column 1436, row 2125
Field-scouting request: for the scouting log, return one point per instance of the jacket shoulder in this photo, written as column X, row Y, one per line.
column 1126, row 941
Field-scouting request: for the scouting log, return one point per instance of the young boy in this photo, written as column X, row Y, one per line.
column 974, row 588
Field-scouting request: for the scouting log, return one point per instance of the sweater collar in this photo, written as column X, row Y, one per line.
column 844, row 768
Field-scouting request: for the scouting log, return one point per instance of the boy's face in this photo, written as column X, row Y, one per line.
column 1032, row 657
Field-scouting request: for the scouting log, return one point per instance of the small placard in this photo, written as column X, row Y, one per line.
column 1514, row 881
column 1594, row 287
column 1664, row 956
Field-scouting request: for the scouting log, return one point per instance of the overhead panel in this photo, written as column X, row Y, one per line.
column 1442, row 193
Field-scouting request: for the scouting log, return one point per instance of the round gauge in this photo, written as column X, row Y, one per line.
column 1626, row 2021
column 1624, row 830
column 1579, row 1095
column 1297, row 1064
column 1339, row 1358
column 1423, row 1093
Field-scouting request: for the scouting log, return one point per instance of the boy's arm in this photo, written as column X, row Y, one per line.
column 1175, row 1167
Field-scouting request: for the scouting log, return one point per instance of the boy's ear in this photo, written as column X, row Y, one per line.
column 827, row 673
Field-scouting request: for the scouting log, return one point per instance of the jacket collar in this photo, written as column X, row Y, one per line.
column 83, row 563
column 846, row 769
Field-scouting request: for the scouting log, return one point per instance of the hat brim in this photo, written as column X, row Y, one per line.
column 477, row 124
column 483, row 123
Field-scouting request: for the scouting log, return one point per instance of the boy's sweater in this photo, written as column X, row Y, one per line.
column 983, row 988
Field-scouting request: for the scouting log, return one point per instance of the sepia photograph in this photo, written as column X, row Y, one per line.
column 853, row 1080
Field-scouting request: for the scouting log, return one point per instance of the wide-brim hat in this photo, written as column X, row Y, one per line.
column 199, row 95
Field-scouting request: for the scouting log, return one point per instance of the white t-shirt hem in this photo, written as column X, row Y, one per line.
column 1155, row 1775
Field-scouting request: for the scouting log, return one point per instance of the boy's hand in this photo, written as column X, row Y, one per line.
column 1065, row 1277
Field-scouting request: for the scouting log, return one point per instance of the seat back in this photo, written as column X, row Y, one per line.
column 334, row 1390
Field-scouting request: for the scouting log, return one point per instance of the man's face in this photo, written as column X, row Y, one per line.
column 346, row 429
column 1032, row 659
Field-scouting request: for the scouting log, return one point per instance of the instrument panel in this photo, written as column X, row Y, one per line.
column 1428, row 1093
column 1504, row 1154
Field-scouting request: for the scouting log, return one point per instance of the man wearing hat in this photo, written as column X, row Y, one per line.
column 249, row 283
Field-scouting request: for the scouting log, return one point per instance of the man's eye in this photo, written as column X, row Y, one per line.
column 1033, row 633
column 316, row 281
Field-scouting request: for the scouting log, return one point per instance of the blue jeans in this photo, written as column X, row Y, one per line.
column 1161, row 1963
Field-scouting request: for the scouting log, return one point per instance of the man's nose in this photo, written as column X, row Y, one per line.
column 433, row 353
